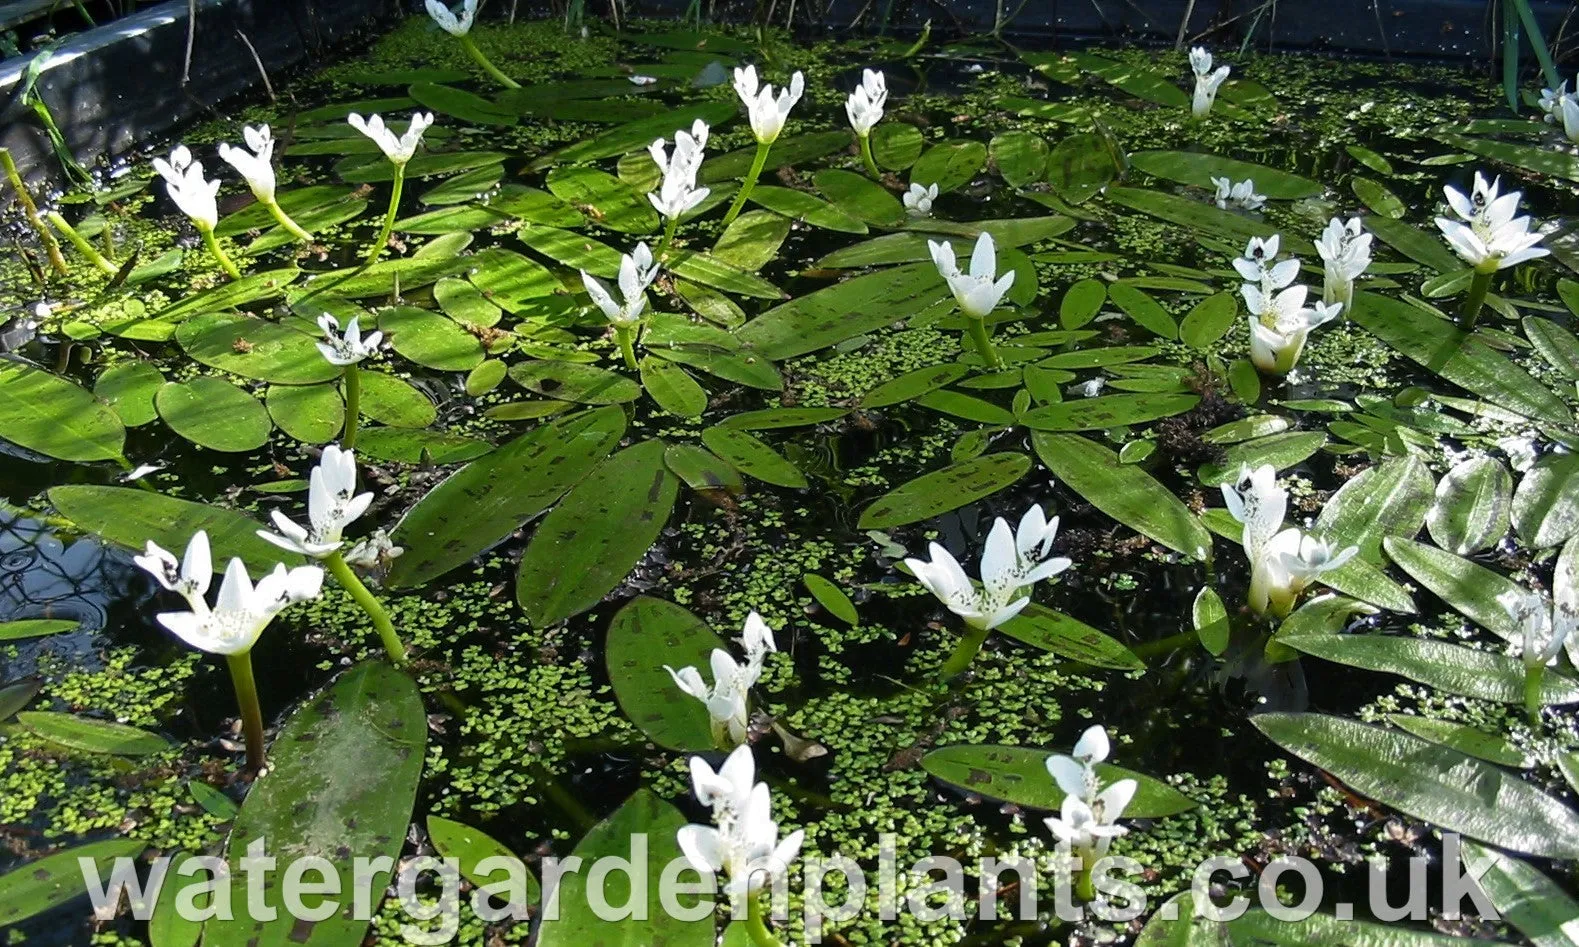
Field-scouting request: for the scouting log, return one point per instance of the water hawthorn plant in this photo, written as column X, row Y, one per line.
column 1012, row 562
column 864, row 108
column 1087, row 822
column 677, row 192
column 1283, row 562
column 743, row 842
column 232, row 626
column 1207, row 81
column 767, row 113
column 637, row 271
column 460, row 27
column 1489, row 236
column 728, row 701
column 977, row 292
column 1545, row 626
column 399, row 149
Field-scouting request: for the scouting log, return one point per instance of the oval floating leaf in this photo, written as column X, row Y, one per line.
column 573, row 381
column 55, row 879
column 752, row 457
column 1472, row 506
column 943, row 490
column 130, row 518
column 1019, row 775
column 1125, row 492
column 92, row 736
column 645, row 635
column 597, row 534
column 213, row 413
column 53, row 416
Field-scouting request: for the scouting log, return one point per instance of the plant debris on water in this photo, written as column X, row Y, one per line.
column 508, row 444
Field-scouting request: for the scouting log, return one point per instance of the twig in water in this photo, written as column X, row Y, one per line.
column 267, row 85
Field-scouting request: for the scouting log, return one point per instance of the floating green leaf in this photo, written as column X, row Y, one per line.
column 1106, row 411
column 949, row 164
column 1451, row 668
column 255, row 348
column 573, row 381
column 598, row 532
column 1470, row 588
column 211, row 412
column 129, row 389
column 1123, row 491
column 51, row 881
column 1197, row 168
column 1536, row 906
column 131, row 518
column 472, row 847
column 488, row 499
column 943, row 490
column 1070, row 638
column 645, row 635
column 1545, row 507
column 1391, row 499
column 1019, row 775
column 34, row 628
column 53, row 416
column 752, row 457
column 90, row 735
column 318, row 794
column 1472, row 506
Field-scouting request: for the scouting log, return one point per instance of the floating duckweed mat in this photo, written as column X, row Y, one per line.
column 627, row 444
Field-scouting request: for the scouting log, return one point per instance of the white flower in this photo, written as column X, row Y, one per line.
column 1277, row 338
column 1242, row 195
column 347, row 349
column 255, row 165
column 332, row 505
column 865, row 105
column 397, row 148
column 190, row 578
column 728, row 700
column 1257, row 265
column 976, row 292
column 1076, row 774
column 1089, row 828
column 1488, row 235
column 183, row 179
column 374, row 550
column 918, row 200
column 1545, row 624
column 642, row 80
column 1283, row 562
column 678, row 192
column 1345, row 251
column 743, row 842
column 233, row 625
column 1009, row 565
column 637, row 271
column 447, row 20
column 1568, row 109
column 1522, row 450
column 1207, row 82
column 1551, row 100
column 768, row 113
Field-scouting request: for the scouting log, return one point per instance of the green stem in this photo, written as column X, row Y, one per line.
column 1476, row 300
column 866, row 156
column 57, row 260
column 488, row 67
column 965, row 652
column 291, row 226
column 757, row 164
column 83, row 246
column 342, row 573
column 983, row 339
column 225, row 263
column 389, row 215
column 1534, row 674
column 626, row 337
column 756, row 925
column 668, row 237
column 1085, row 888
column 353, row 406
column 251, row 711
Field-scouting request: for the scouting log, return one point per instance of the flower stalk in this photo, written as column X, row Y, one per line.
column 81, row 243
column 977, row 328
column 251, row 710
column 965, row 652
column 625, row 336
column 396, row 188
column 370, row 604
column 1534, row 677
column 868, row 159
column 353, row 405
column 756, row 924
column 218, row 252
column 1475, row 301
column 57, row 260
column 486, row 64
column 757, row 164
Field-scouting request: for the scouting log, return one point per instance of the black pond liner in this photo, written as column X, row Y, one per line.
column 114, row 86
column 117, row 85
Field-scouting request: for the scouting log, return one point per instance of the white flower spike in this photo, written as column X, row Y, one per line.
column 350, row 347
column 1545, row 625
column 194, row 194
column 918, row 200
column 448, row 21
column 864, row 107
column 332, row 505
column 233, row 625
column 743, row 841
column 1278, row 336
column 1010, row 565
column 678, row 193
column 1241, row 195
column 1076, row 774
column 1257, row 266
column 397, row 148
column 1283, row 562
column 1489, row 235
column 1551, row 101
column 979, row 291
column 373, row 551
column 637, row 270
column 728, row 701
column 767, row 112
column 1345, row 251
column 190, row 577
column 255, row 163
column 1207, row 81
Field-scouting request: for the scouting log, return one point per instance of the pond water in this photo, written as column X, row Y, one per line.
column 763, row 458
